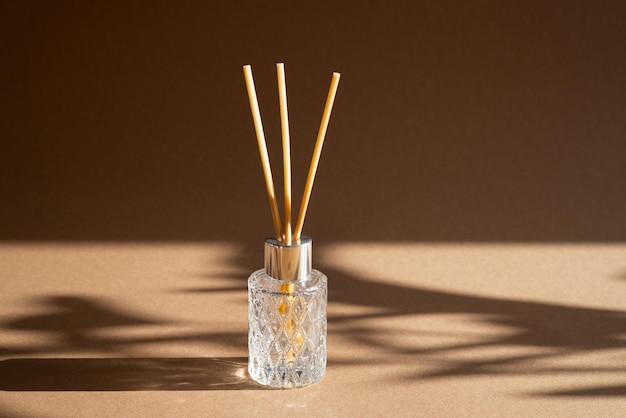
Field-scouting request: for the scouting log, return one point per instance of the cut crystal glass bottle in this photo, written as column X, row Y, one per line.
column 287, row 318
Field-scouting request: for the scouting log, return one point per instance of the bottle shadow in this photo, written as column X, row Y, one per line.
column 70, row 324
column 125, row 374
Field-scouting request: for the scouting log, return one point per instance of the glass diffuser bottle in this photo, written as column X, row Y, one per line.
column 287, row 317
column 287, row 298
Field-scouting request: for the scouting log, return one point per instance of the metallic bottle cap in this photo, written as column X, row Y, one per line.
column 288, row 262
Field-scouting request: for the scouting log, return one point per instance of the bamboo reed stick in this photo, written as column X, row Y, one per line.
column 316, row 156
column 265, row 161
column 284, row 122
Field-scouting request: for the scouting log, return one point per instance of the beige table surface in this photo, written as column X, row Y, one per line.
column 139, row 329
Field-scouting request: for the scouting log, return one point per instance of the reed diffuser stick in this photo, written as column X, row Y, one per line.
column 265, row 160
column 334, row 83
column 284, row 122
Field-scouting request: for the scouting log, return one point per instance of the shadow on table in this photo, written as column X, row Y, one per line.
column 73, row 324
column 125, row 374
column 551, row 331
column 604, row 391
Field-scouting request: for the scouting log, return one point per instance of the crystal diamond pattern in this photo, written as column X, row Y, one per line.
column 287, row 330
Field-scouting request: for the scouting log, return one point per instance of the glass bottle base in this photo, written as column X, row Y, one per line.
column 287, row 330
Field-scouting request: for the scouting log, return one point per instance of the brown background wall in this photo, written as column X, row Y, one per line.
column 454, row 121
